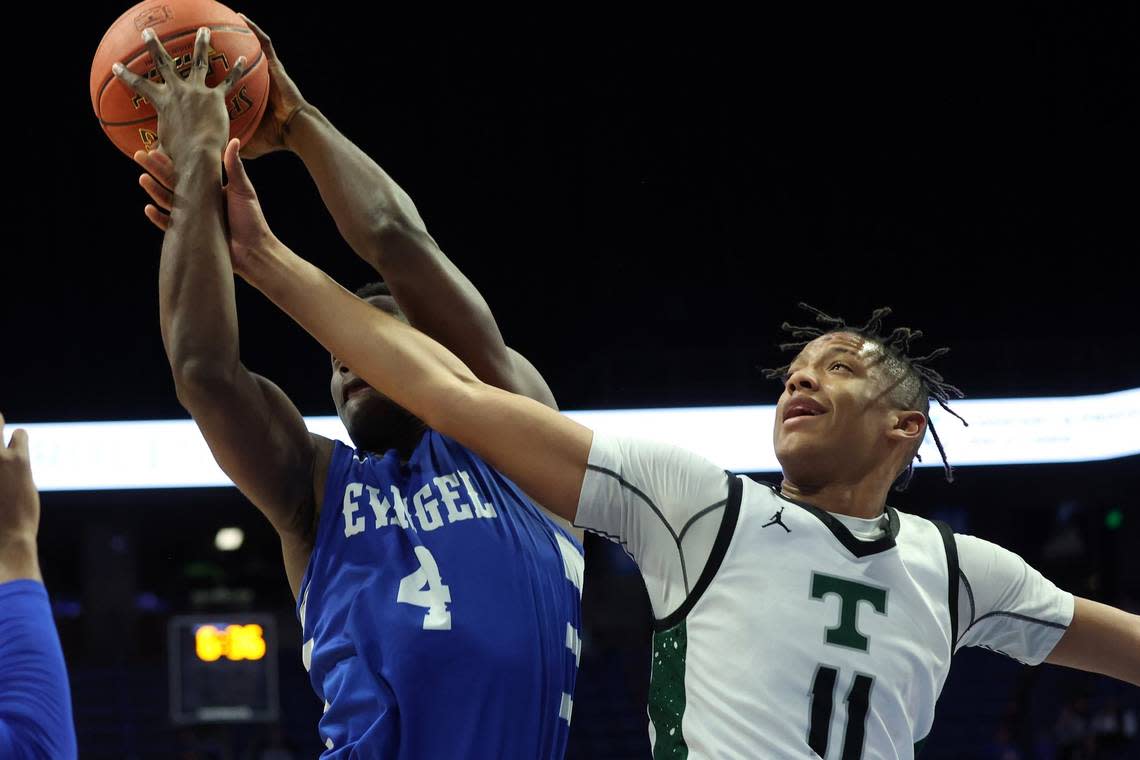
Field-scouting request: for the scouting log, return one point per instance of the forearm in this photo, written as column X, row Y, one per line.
column 19, row 559
column 372, row 212
column 380, row 222
column 196, row 285
column 414, row 371
column 541, row 450
column 1101, row 639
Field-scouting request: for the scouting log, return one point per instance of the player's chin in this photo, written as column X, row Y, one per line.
column 804, row 471
column 366, row 411
column 354, row 414
column 794, row 442
column 802, row 454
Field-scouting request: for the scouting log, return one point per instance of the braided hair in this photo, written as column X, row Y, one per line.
column 917, row 380
column 377, row 288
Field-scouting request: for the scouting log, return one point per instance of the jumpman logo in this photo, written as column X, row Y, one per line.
column 777, row 520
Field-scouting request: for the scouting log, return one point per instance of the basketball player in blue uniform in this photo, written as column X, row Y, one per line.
column 439, row 606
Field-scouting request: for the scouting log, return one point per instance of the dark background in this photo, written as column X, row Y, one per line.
column 642, row 200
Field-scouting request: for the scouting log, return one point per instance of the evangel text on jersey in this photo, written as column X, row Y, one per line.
column 392, row 508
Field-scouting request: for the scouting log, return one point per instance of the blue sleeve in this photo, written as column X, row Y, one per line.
column 35, row 699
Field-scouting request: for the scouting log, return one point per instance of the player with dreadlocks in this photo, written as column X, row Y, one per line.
column 915, row 383
column 806, row 618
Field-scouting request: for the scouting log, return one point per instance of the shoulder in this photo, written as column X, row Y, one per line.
column 329, row 454
column 981, row 557
column 912, row 527
column 630, row 480
column 630, row 457
column 761, row 489
column 994, row 575
column 760, row 494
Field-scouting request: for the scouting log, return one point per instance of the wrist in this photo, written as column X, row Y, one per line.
column 265, row 264
column 299, row 127
column 19, row 558
column 198, row 149
column 199, row 163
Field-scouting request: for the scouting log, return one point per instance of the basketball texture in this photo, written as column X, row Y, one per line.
column 129, row 119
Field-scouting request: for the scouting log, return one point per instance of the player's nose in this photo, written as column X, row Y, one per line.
column 802, row 379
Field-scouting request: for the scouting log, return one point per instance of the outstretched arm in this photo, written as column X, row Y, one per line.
column 1008, row 606
column 1101, row 639
column 381, row 223
column 543, row 451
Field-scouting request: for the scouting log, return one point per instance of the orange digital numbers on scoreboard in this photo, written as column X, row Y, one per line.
column 234, row 642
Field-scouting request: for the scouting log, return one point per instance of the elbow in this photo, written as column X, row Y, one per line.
column 394, row 238
column 197, row 379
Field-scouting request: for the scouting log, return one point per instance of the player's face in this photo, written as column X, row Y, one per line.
column 361, row 408
column 833, row 415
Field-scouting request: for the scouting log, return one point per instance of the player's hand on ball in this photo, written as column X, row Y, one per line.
column 191, row 115
column 285, row 102
column 248, row 230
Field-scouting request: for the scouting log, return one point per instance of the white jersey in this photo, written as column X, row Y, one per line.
column 785, row 631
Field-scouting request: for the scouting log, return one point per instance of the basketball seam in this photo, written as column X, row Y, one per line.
column 257, row 62
column 172, row 35
column 164, row 40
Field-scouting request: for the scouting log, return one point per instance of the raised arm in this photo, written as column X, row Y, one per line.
column 379, row 220
column 543, row 451
column 256, row 434
column 19, row 511
column 35, row 701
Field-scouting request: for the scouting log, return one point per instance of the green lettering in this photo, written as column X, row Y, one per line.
column 846, row 633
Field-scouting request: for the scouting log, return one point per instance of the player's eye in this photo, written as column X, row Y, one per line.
column 839, row 364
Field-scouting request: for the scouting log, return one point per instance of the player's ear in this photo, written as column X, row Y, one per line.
column 908, row 426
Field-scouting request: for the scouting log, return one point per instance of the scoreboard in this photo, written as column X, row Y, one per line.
column 223, row 668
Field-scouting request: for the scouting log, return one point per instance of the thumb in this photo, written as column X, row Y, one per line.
column 262, row 37
column 235, row 170
column 19, row 442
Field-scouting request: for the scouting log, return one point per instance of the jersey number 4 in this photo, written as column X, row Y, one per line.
column 435, row 597
column 822, row 704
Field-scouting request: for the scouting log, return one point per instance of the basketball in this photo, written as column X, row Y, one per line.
column 129, row 119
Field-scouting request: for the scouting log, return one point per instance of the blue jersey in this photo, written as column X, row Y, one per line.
column 35, row 701
column 440, row 610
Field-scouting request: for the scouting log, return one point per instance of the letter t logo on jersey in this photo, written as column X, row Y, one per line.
column 846, row 633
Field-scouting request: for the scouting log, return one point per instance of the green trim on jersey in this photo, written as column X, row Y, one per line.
column 667, row 692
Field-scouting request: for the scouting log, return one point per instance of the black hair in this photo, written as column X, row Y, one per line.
column 917, row 381
column 377, row 288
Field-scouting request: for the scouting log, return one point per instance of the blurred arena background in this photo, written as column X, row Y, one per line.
column 642, row 200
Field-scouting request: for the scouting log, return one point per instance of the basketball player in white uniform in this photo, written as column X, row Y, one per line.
column 783, row 629
column 809, row 621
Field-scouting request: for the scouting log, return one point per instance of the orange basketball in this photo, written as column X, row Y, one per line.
column 129, row 119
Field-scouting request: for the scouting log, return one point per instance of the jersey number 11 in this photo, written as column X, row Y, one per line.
column 822, row 704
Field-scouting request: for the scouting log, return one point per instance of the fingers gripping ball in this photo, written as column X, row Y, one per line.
column 128, row 119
